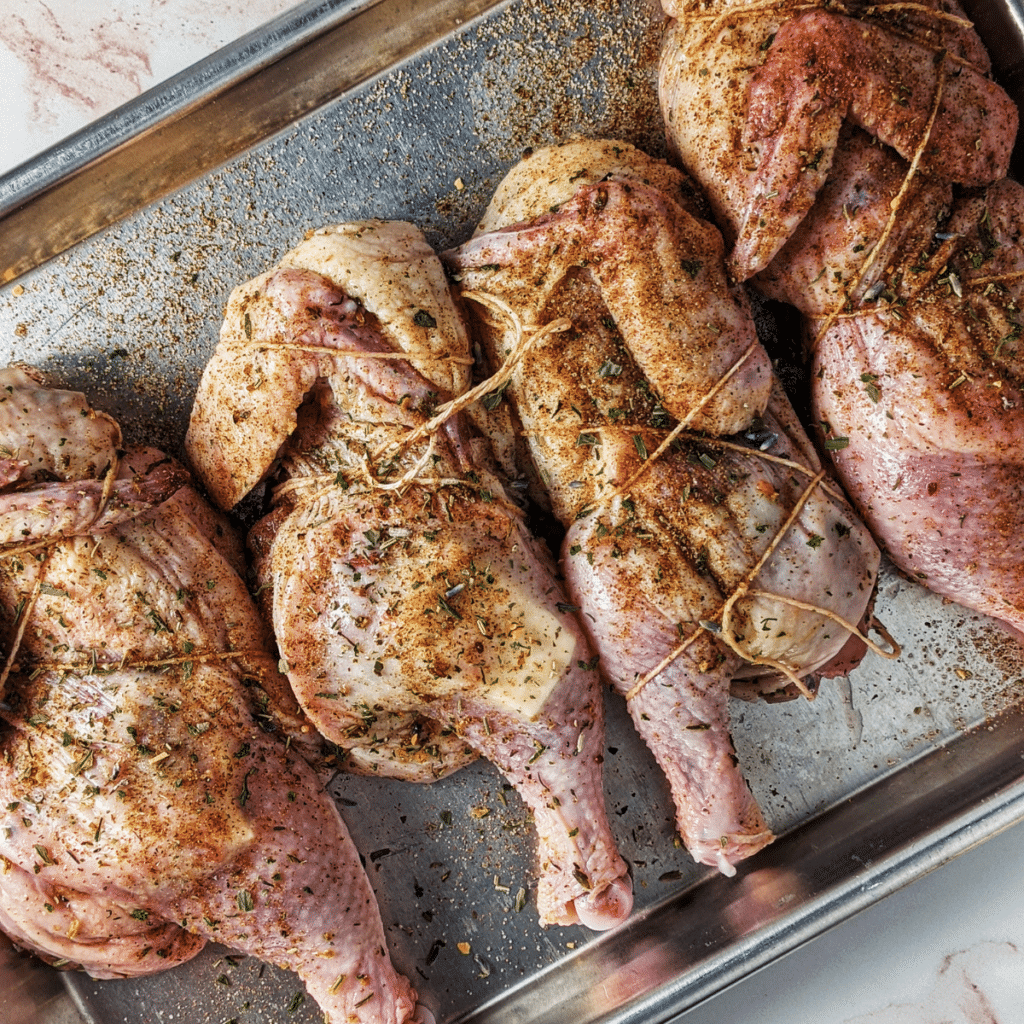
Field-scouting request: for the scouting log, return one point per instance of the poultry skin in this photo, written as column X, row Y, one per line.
column 697, row 556
column 754, row 98
column 909, row 286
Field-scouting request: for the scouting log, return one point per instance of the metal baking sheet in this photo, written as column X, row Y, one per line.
column 119, row 249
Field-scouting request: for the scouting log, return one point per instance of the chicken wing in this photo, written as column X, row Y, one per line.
column 754, row 99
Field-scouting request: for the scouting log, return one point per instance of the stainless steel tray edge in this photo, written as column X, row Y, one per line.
column 676, row 954
column 237, row 97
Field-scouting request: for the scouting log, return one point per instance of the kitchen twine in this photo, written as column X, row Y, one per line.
column 895, row 207
column 717, row 17
column 524, row 340
column 48, row 543
column 896, row 204
column 841, row 312
column 522, row 345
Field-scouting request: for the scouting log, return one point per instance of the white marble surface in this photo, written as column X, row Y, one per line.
column 64, row 63
column 947, row 950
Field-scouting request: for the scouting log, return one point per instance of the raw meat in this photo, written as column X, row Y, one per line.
column 400, row 579
column 922, row 375
column 150, row 799
column 910, row 287
column 754, row 98
column 703, row 542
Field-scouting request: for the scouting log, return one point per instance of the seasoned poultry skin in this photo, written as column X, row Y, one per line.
column 719, row 557
column 401, row 582
column 909, row 286
column 923, row 375
column 754, row 98
column 150, row 798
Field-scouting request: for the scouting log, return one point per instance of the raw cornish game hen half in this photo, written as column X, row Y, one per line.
column 148, row 795
column 704, row 545
column 909, row 283
column 401, row 581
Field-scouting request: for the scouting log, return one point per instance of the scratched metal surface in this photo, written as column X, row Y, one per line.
column 887, row 774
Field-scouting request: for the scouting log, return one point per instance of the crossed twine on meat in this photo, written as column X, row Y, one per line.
column 92, row 664
column 527, row 338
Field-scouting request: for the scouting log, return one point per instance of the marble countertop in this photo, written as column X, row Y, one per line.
column 64, row 63
column 948, row 949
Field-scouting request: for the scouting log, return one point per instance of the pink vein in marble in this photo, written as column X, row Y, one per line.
column 980, row 985
column 93, row 64
column 64, row 63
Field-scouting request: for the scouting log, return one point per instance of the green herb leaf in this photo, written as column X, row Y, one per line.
column 492, row 399
column 243, row 797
